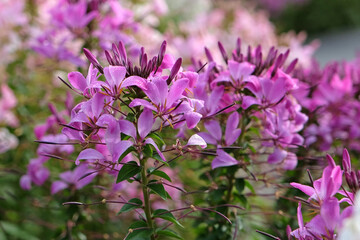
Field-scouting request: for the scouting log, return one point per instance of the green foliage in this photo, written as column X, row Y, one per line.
column 168, row 233
column 137, row 203
column 158, row 189
column 129, row 150
column 161, row 174
column 319, row 16
column 127, row 171
column 139, row 231
column 166, row 215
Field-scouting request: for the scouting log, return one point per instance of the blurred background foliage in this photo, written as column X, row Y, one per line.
column 318, row 16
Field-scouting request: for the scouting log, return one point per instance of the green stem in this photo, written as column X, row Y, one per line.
column 147, row 206
column 231, row 177
column 230, row 187
column 229, row 191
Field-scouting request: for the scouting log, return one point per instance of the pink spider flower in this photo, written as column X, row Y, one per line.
column 166, row 102
column 214, row 136
column 36, row 173
column 267, row 91
column 117, row 146
column 72, row 15
column 237, row 75
column 76, row 178
column 325, row 187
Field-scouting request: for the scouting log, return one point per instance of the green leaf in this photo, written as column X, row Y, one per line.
column 253, row 150
column 240, row 184
column 243, row 199
column 130, row 117
column 166, row 215
column 141, row 234
column 127, row 171
column 169, row 233
column 161, row 174
column 159, row 189
column 128, row 207
column 16, row 232
column 159, row 141
column 148, row 151
column 129, row 150
column 249, row 186
column 157, row 157
column 216, row 195
column 124, row 137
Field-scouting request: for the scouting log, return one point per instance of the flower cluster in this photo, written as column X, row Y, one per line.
column 208, row 129
column 322, row 200
column 260, row 89
column 330, row 97
column 65, row 27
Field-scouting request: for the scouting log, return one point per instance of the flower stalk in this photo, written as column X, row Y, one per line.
column 146, row 194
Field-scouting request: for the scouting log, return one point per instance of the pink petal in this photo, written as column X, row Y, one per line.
column 304, row 188
column 89, row 154
column 113, row 129
column 145, row 123
column 208, row 138
column 151, row 141
column 197, row 141
column 141, row 102
column 117, row 74
column 330, row 213
column 231, row 133
column 97, row 104
column 192, row 76
column 277, row 156
column 212, row 103
column 162, row 89
column 214, row 129
column 331, row 161
column 346, row 161
column 58, row 186
column 134, row 81
column 153, row 93
column 317, row 226
column 80, row 172
column 77, row 80
column 290, row 161
column 40, row 131
column 192, row 119
column 299, row 216
column 223, row 159
column 176, row 91
column 120, row 148
column 248, row 101
column 25, row 182
column 240, row 70
column 127, row 128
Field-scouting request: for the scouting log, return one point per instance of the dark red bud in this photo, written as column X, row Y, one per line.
column 208, row 55
column 174, row 70
column 223, row 52
column 93, row 60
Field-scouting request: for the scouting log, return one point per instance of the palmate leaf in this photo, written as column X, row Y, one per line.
column 127, row 171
